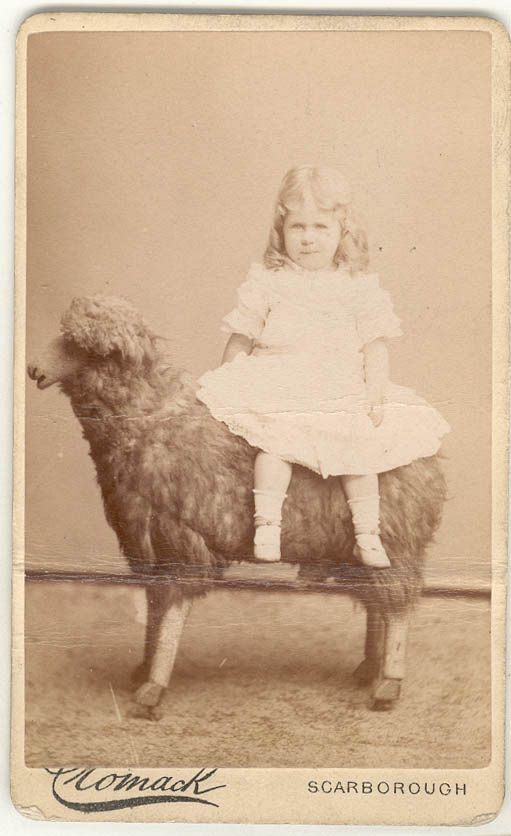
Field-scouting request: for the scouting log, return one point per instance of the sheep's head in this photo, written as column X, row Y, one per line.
column 106, row 325
column 94, row 328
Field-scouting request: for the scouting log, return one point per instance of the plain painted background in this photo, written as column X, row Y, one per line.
column 153, row 164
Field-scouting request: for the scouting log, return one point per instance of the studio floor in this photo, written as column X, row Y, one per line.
column 262, row 679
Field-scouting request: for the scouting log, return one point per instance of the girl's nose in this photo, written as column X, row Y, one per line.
column 307, row 236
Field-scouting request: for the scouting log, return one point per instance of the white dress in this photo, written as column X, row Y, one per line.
column 300, row 394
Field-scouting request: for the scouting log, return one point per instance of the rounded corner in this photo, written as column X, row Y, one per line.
column 31, row 25
column 496, row 28
column 30, row 812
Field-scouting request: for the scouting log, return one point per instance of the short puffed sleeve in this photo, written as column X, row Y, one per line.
column 374, row 310
column 249, row 315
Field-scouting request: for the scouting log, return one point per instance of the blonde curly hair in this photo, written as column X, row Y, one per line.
column 330, row 191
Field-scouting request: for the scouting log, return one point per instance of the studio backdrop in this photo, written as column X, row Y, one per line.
column 154, row 161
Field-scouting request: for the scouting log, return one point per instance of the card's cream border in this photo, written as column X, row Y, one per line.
column 280, row 795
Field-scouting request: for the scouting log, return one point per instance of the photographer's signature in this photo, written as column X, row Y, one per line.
column 118, row 790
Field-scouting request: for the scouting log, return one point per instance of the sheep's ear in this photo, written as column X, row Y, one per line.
column 104, row 325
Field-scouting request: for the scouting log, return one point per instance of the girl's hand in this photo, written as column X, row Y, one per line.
column 376, row 373
column 375, row 412
column 236, row 344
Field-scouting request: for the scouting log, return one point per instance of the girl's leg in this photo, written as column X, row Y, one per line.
column 271, row 481
column 364, row 501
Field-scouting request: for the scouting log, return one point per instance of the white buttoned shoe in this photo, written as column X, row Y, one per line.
column 365, row 511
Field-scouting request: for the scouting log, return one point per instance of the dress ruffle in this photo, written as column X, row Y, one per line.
column 370, row 303
column 249, row 315
column 344, row 442
column 301, row 393
column 374, row 311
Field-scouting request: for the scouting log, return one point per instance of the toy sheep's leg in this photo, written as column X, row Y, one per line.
column 163, row 634
column 369, row 668
column 156, row 600
column 388, row 687
column 165, row 653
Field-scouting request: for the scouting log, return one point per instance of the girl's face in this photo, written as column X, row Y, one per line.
column 311, row 236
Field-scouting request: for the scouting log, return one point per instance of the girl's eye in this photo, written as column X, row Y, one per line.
column 321, row 226
column 296, row 226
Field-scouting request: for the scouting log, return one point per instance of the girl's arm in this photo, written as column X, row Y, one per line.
column 376, row 372
column 236, row 344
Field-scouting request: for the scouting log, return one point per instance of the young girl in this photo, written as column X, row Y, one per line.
column 304, row 376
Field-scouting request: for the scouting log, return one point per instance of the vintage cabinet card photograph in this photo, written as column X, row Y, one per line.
column 261, row 418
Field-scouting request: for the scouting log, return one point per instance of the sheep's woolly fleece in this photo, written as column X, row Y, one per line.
column 106, row 324
column 177, row 485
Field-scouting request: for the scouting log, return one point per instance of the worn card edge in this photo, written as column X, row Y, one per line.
column 491, row 776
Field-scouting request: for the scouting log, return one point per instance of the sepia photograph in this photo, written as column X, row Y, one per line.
column 258, row 293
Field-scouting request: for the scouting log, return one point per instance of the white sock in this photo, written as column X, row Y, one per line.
column 267, row 518
column 365, row 512
column 268, row 506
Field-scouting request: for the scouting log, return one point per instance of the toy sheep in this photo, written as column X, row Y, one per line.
column 177, row 491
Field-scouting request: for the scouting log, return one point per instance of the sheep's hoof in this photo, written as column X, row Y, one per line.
column 145, row 712
column 366, row 672
column 149, row 694
column 386, row 694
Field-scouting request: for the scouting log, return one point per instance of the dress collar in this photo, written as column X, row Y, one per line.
column 292, row 267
